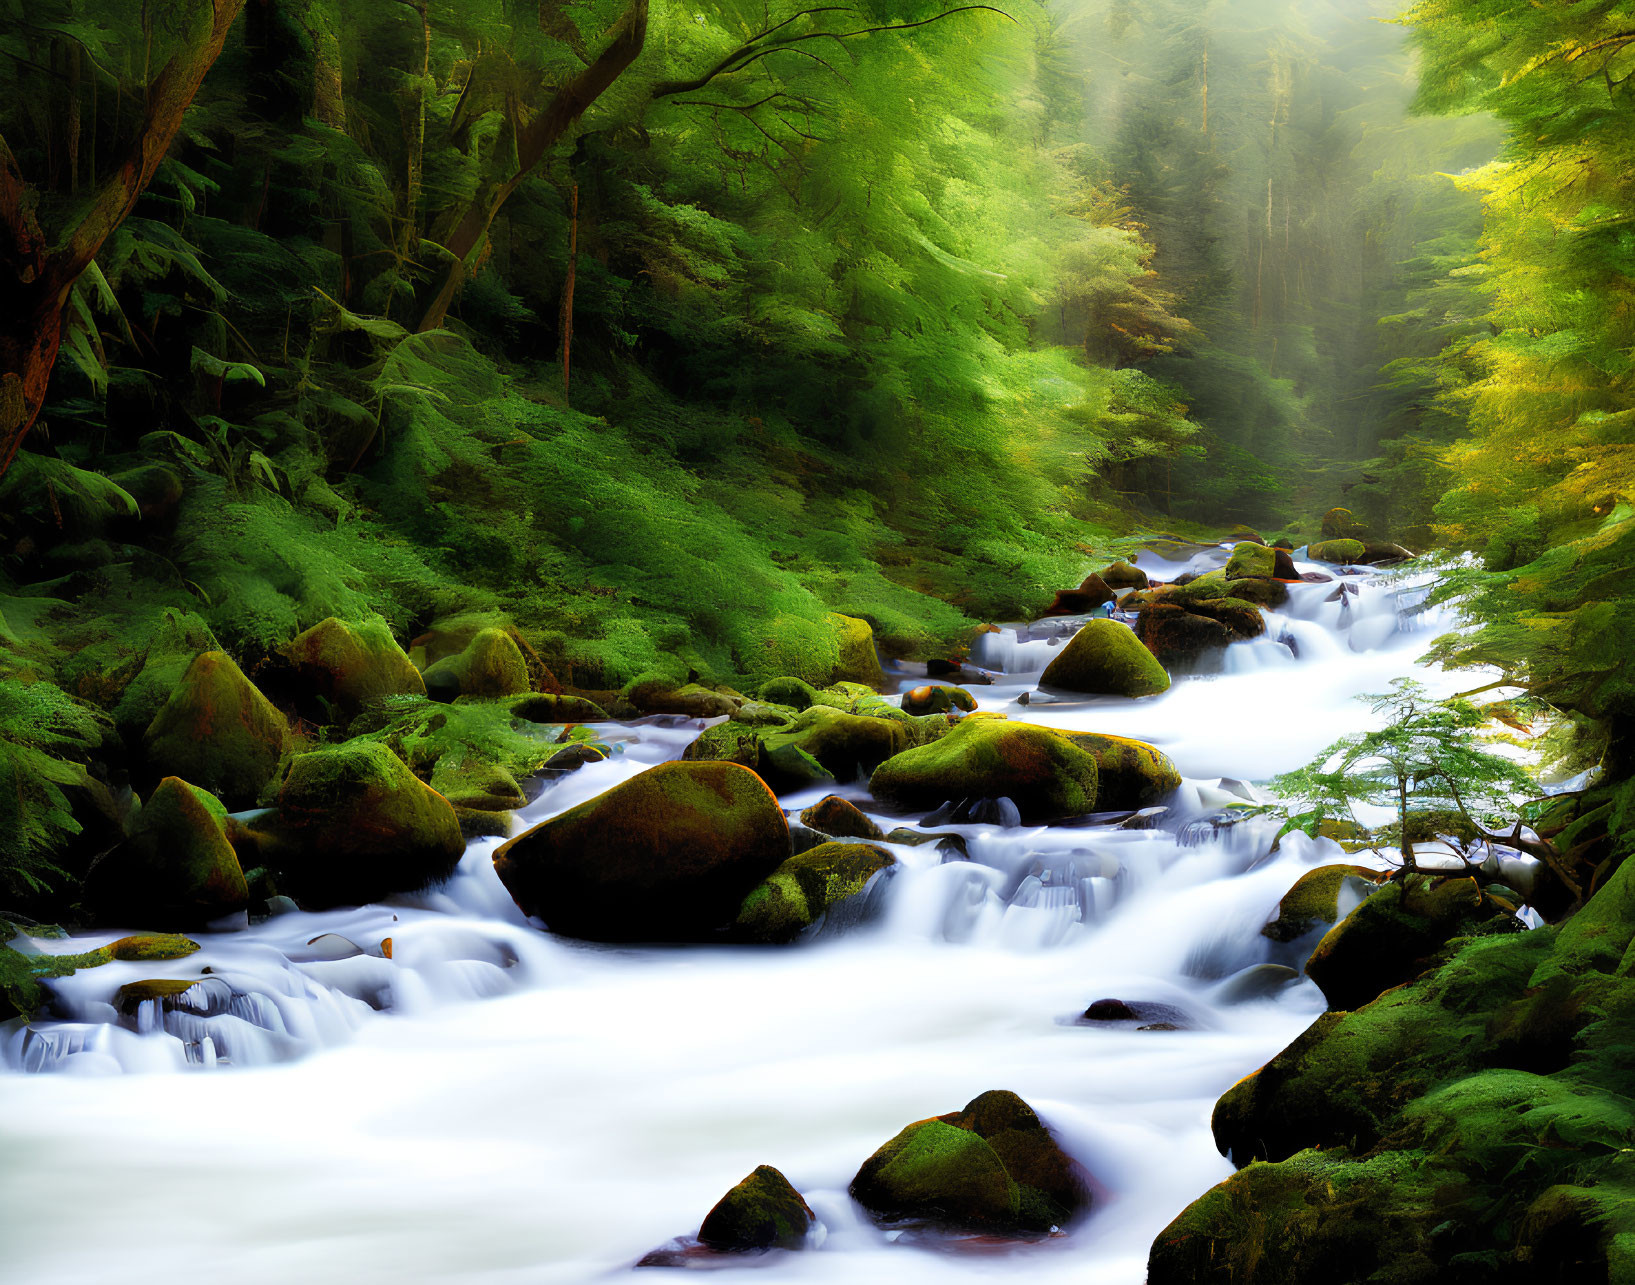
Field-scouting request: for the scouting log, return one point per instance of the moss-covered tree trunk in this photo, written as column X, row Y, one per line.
column 39, row 265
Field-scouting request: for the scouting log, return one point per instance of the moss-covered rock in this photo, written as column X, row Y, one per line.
column 1342, row 524
column 1315, row 899
column 796, row 693
column 1395, row 935
column 1130, row 774
column 1251, row 559
column 856, row 660
column 937, row 700
column 1123, row 575
column 22, row 975
column 992, row 1167
column 548, row 707
column 839, row 819
column 175, row 866
column 491, row 665
column 691, row 700
column 352, row 665
column 1183, row 636
column 145, row 681
column 806, row 887
column 218, row 732
column 668, row 855
column 1106, row 658
column 762, row 1212
column 1040, row 770
column 476, row 784
column 821, row 743
column 353, row 824
column 1337, row 551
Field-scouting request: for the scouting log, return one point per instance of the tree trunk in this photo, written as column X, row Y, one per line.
column 38, row 271
column 569, row 103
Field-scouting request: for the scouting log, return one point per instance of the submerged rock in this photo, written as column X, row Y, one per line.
column 667, row 855
column 218, row 732
column 807, row 887
column 1041, row 770
column 175, row 867
column 992, row 1167
column 1106, row 658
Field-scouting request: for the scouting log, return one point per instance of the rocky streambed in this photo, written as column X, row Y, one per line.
column 971, row 1020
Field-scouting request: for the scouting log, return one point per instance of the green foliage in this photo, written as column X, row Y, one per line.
column 45, row 739
column 1427, row 758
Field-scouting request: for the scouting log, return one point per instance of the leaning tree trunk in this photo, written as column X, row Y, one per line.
column 39, row 266
column 567, row 105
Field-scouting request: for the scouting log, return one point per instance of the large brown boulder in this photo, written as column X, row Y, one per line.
column 1182, row 636
column 217, row 732
column 992, row 1167
column 668, row 855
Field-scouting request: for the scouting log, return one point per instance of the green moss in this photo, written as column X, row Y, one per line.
column 1106, row 658
column 490, row 665
column 1315, row 899
column 796, row 693
column 762, row 1212
column 839, row 819
column 807, row 886
column 21, row 975
column 176, row 864
column 1337, row 551
column 353, row 665
column 1123, row 575
column 1249, row 559
column 937, row 700
column 218, row 732
column 1041, row 771
column 1130, row 774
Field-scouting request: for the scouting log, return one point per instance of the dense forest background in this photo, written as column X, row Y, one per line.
column 893, row 310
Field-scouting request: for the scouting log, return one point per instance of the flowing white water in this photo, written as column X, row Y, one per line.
column 489, row 1103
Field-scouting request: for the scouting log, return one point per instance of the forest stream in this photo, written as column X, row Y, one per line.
column 483, row 1100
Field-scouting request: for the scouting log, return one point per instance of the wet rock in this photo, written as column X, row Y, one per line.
column 1122, row 575
column 1283, row 567
column 574, row 757
column 840, row 819
column 351, row 666
column 1315, row 900
column 992, row 1167
column 668, row 855
column 1261, row 981
column 175, row 867
column 1153, row 1016
column 1131, row 773
column 691, row 700
column 957, row 672
column 217, row 732
column 548, row 707
column 1042, row 771
column 808, row 886
column 951, row 846
column 1376, row 552
column 1251, row 559
column 1106, row 658
column 491, row 665
column 937, row 700
column 1093, row 593
column 1178, row 637
column 1396, row 934
column 1109, row 1010
column 133, row 994
column 1339, row 552
column 762, row 1212
column 1144, row 819
column 354, row 825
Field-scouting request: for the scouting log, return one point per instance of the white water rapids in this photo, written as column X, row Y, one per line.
column 493, row 1104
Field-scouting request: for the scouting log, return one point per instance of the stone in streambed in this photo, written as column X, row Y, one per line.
column 1106, row 658
column 1314, row 900
column 1092, row 593
column 806, row 887
column 764, row 1211
column 839, row 819
column 176, row 865
column 668, row 855
column 353, row 825
column 1131, row 774
column 1040, row 770
column 1251, row 559
column 1121, row 575
column 1340, row 552
column 1342, row 524
column 992, row 1167
column 217, row 732
column 937, row 700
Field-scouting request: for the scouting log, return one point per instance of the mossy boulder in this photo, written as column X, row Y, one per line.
column 839, row 819
column 1182, row 637
column 1106, row 658
column 1040, row 770
column 474, row 783
column 1123, row 575
column 856, row 660
column 1315, row 900
column 491, row 665
column 764, row 1211
column 218, row 732
column 796, row 693
column 1342, row 524
column 820, row 743
column 1376, row 552
column 176, row 865
column 354, row 824
column 667, row 855
column 690, row 700
column 933, row 699
column 22, row 975
column 549, row 707
column 145, row 682
column 1342, row 552
column 1130, row 774
column 806, row 887
column 352, row 665
column 1396, row 934
column 1251, row 559
column 992, row 1167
